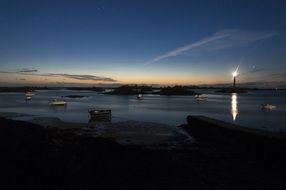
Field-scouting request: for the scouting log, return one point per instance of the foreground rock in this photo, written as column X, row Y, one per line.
column 33, row 157
column 252, row 158
column 229, row 134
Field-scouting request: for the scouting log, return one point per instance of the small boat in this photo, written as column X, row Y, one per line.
column 139, row 96
column 201, row 98
column 29, row 93
column 267, row 107
column 99, row 115
column 56, row 102
column 28, row 98
column 96, row 112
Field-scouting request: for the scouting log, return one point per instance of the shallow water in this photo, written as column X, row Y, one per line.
column 171, row 110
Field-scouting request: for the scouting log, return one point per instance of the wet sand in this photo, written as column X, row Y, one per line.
column 127, row 132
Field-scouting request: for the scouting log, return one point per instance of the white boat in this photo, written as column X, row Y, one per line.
column 29, row 93
column 267, row 107
column 139, row 96
column 201, row 98
column 28, row 98
column 56, row 102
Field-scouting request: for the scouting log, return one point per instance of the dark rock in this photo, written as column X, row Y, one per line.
column 75, row 96
column 176, row 90
column 36, row 158
column 212, row 130
column 124, row 90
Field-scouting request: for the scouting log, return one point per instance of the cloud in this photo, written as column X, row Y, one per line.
column 28, row 71
column 81, row 77
column 237, row 38
column 220, row 40
column 21, row 71
column 34, row 72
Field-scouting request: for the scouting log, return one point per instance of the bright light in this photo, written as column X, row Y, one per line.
column 234, row 74
column 234, row 106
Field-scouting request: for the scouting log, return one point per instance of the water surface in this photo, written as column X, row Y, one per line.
column 243, row 109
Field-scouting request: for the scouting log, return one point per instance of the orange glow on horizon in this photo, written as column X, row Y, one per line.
column 130, row 79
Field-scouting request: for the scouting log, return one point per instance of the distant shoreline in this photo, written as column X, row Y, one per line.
column 102, row 89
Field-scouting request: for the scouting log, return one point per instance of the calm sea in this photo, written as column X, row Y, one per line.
column 243, row 109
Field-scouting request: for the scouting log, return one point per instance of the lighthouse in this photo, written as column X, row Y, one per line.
column 234, row 74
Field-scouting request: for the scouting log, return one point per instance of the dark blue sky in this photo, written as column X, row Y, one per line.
column 157, row 42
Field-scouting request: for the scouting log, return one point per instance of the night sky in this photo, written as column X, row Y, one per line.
column 59, row 42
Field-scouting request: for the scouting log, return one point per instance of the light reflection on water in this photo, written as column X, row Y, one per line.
column 172, row 110
column 234, row 108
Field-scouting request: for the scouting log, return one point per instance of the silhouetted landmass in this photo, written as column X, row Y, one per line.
column 143, row 89
column 22, row 89
column 176, row 90
column 33, row 157
column 96, row 89
column 134, row 89
column 124, row 90
column 131, row 90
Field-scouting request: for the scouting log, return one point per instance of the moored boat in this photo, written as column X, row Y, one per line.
column 201, row 98
column 99, row 115
column 139, row 96
column 97, row 112
column 267, row 107
column 30, row 93
column 28, row 98
column 56, row 102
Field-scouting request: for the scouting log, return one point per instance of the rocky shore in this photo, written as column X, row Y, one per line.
column 36, row 157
